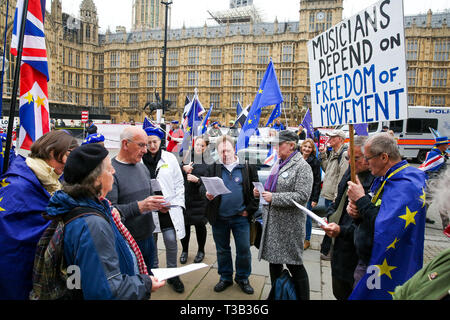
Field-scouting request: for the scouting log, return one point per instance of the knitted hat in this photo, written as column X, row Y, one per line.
column 154, row 132
column 82, row 161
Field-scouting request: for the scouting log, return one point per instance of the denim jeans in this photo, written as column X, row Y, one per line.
column 308, row 222
column 147, row 247
column 240, row 227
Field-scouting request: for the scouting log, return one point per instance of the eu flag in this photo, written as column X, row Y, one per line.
column 361, row 129
column 204, row 126
column 275, row 114
column 307, row 124
column 398, row 242
column 193, row 121
column 22, row 201
column 268, row 94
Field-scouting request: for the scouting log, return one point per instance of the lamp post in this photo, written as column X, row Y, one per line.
column 163, row 91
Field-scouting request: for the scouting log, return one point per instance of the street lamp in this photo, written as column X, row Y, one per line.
column 163, row 91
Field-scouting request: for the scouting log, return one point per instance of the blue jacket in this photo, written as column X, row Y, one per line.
column 278, row 127
column 22, row 200
column 97, row 247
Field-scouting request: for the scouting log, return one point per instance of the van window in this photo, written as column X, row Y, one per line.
column 420, row 125
column 373, row 126
column 396, row 126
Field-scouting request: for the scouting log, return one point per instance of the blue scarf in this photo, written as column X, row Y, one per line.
column 271, row 183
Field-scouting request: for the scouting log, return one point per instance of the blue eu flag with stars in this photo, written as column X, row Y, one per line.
column 275, row 114
column 268, row 94
column 398, row 241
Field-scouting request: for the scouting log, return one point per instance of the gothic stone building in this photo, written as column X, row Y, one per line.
column 123, row 70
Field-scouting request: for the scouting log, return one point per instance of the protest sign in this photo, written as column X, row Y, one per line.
column 357, row 68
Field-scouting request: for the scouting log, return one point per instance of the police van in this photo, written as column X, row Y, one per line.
column 414, row 137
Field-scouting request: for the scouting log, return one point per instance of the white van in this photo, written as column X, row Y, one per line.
column 414, row 136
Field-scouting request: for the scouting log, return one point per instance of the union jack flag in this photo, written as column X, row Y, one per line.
column 33, row 106
column 272, row 157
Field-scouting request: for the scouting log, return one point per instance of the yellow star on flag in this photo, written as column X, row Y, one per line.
column 29, row 97
column 260, row 91
column 385, row 269
column 40, row 101
column 250, row 121
column 392, row 245
column 1, row 209
column 423, row 197
column 409, row 217
column 3, row 183
column 188, row 129
column 391, row 293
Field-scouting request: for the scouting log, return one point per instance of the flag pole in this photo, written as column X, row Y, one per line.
column 352, row 153
column 12, row 108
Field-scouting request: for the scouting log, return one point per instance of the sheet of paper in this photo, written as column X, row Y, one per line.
column 215, row 186
column 167, row 273
column 260, row 187
column 313, row 216
column 169, row 199
column 155, row 185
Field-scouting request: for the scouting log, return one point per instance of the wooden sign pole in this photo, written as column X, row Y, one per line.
column 352, row 153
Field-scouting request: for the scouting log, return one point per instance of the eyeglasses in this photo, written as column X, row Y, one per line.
column 140, row 145
column 367, row 159
column 356, row 158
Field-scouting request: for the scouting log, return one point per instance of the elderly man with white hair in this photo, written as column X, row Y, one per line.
column 132, row 193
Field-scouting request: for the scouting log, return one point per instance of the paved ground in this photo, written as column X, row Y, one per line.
column 199, row 284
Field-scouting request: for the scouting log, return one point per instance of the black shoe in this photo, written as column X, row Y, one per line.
column 222, row 285
column 199, row 257
column 245, row 286
column 183, row 257
column 176, row 284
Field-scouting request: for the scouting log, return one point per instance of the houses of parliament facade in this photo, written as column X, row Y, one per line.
column 121, row 71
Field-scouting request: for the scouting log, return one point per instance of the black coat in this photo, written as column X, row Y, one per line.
column 195, row 212
column 345, row 257
column 315, row 166
column 249, row 174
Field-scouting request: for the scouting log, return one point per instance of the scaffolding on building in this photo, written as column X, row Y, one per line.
column 237, row 15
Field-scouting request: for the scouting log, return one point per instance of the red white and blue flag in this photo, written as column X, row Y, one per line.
column 34, row 108
column 272, row 157
column 432, row 162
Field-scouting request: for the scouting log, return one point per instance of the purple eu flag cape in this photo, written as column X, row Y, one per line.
column 22, row 201
column 398, row 243
column 268, row 94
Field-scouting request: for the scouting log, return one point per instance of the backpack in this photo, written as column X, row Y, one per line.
column 50, row 270
column 284, row 288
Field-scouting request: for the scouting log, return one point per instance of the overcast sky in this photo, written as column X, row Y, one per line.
column 193, row 13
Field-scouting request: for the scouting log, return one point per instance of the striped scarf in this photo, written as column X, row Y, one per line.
column 133, row 245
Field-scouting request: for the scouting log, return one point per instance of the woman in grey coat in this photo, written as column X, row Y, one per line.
column 284, row 224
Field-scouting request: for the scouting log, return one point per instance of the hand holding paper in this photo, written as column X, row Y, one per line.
column 215, row 186
column 260, row 187
column 167, row 273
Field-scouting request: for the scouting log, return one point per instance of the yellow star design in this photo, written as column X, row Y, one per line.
column 40, row 101
column 391, row 293
column 188, row 129
column 385, row 269
column 3, row 183
column 392, row 245
column 408, row 217
column 260, row 91
column 29, row 97
column 250, row 121
column 423, row 197
column 1, row 209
